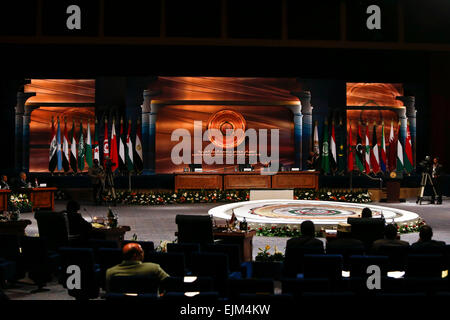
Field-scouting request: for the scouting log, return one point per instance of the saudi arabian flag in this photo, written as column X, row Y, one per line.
column 81, row 149
column 88, row 146
column 325, row 162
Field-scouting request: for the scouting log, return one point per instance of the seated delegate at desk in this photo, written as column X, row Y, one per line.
column 78, row 226
column 4, row 182
column 23, row 183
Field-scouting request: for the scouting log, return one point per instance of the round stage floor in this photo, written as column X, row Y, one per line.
column 324, row 214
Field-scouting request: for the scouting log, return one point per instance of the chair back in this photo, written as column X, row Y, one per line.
column 134, row 284
column 360, row 263
column 327, row 266
column 232, row 251
column 53, row 226
column 89, row 272
column 425, row 265
column 194, row 229
column 171, row 262
column 396, row 256
column 186, row 248
column 293, row 261
column 367, row 229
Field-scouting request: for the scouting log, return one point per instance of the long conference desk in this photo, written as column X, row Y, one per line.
column 247, row 180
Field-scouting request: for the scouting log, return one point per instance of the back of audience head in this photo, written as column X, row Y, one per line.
column 133, row 251
column 307, row 228
column 425, row 233
column 390, row 232
column 72, row 206
column 366, row 213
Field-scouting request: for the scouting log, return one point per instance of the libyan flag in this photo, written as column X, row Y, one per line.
column 359, row 150
column 325, row 161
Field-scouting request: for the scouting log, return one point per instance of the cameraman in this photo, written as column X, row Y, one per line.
column 436, row 173
column 109, row 181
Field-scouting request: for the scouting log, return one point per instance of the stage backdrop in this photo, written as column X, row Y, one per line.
column 68, row 99
column 172, row 117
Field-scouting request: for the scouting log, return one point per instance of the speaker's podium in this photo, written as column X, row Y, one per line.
column 393, row 187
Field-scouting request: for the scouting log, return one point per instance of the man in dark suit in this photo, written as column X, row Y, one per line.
column 344, row 240
column 4, row 182
column 78, row 226
column 425, row 240
column 307, row 238
column 22, row 182
column 390, row 239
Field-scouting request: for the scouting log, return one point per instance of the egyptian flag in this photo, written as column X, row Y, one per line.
column 349, row 150
column 400, row 162
column 383, row 150
column 52, row 159
column 340, row 147
column 325, row 161
column 95, row 147
column 88, row 146
column 65, row 149
column 359, row 150
column 333, row 146
column 113, row 148
column 374, row 153
column 58, row 147
column 138, row 160
column 122, row 160
column 408, row 151
column 392, row 157
column 105, row 144
column 367, row 151
column 129, row 149
column 73, row 149
column 81, row 148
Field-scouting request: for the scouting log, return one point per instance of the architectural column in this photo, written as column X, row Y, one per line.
column 297, row 111
column 21, row 158
column 409, row 102
column 149, row 115
column 307, row 124
column 26, row 137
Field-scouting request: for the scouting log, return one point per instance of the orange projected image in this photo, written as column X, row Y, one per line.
column 374, row 94
column 61, row 91
column 172, row 117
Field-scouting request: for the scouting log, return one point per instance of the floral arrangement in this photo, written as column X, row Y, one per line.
column 411, row 227
column 19, row 202
column 213, row 196
column 264, row 255
column 361, row 196
column 278, row 231
column 162, row 247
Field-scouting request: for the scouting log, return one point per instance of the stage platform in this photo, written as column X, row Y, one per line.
column 167, row 182
column 291, row 213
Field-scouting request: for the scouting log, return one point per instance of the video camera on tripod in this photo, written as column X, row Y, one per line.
column 427, row 168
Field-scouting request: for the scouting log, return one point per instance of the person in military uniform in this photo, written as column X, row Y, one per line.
column 97, row 175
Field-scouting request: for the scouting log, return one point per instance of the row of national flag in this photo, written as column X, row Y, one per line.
column 73, row 153
column 367, row 155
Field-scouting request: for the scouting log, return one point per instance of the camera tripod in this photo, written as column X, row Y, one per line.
column 426, row 179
